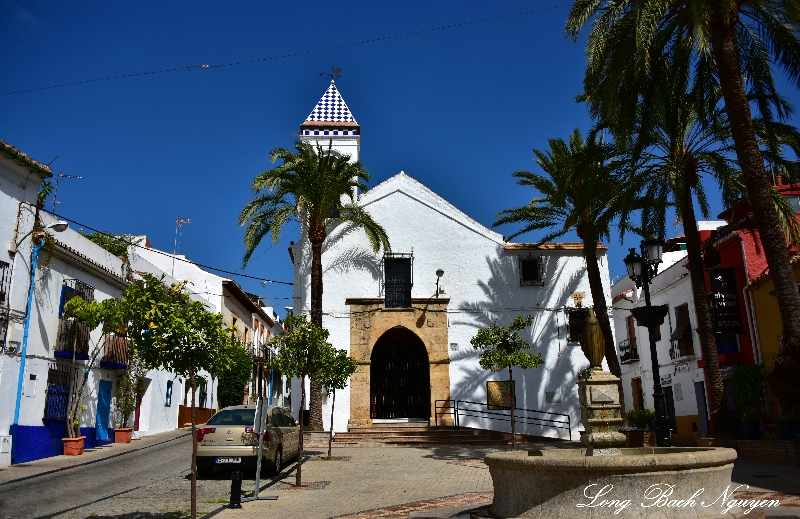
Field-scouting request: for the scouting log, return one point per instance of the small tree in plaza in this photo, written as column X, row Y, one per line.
column 303, row 351
column 338, row 368
column 504, row 348
column 171, row 331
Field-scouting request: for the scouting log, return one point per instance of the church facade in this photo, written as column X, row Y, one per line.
column 407, row 316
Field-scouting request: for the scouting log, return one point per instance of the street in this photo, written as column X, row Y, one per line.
column 147, row 482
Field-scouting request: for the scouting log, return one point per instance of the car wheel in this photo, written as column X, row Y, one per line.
column 205, row 471
column 275, row 466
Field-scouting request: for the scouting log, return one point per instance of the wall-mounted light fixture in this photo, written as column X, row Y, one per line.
column 439, row 274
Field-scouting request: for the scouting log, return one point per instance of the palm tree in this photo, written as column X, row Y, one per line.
column 587, row 188
column 727, row 44
column 317, row 189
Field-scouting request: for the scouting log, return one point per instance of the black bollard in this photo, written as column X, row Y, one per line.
column 236, row 489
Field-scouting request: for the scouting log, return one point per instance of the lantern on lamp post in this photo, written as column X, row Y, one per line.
column 642, row 268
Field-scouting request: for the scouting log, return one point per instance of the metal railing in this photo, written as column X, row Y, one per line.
column 73, row 337
column 629, row 352
column 682, row 347
column 115, row 352
column 468, row 409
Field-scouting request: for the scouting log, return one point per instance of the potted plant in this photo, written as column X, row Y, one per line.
column 73, row 445
column 639, row 421
column 750, row 424
column 787, row 423
column 128, row 394
column 126, row 405
column 749, row 390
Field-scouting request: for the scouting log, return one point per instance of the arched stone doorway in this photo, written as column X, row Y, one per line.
column 370, row 320
column 399, row 376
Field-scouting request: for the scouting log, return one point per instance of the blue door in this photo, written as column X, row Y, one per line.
column 103, row 410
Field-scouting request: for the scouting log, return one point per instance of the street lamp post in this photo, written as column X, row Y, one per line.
column 642, row 268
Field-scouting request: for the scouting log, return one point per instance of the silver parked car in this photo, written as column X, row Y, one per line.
column 228, row 440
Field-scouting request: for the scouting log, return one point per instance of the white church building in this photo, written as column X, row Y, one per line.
column 407, row 317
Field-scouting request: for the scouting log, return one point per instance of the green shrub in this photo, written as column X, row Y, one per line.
column 749, row 389
column 232, row 381
column 641, row 418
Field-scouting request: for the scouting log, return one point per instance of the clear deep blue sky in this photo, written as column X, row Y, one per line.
column 458, row 109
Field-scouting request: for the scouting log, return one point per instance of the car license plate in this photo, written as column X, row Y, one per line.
column 229, row 460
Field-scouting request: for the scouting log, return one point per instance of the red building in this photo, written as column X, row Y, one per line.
column 733, row 255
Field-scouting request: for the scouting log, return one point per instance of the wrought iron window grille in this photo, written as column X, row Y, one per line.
column 5, row 283
column 61, row 380
column 531, row 271
column 398, row 269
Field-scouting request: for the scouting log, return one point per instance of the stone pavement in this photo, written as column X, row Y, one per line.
column 440, row 482
column 40, row 467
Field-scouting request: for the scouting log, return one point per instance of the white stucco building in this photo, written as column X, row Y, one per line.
column 677, row 342
column 411, row 339
column 57, row 348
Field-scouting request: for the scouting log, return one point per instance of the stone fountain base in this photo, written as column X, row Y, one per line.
column 642, row 482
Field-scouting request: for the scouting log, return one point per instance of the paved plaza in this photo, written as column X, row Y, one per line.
column 362, row 482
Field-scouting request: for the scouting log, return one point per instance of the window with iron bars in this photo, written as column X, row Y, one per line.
column 59, row 380
column 5, row 304
column 398, row 279
column 531, row 271
column 5, row 283
column 72, row 288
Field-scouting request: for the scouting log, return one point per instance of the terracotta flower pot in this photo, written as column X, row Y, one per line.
column 123, row 434
column 73, row 446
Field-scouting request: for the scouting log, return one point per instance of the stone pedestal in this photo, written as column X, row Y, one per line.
column 601, row 414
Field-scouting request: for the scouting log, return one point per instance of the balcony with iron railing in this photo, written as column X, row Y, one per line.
column 682, row 348
column 628, row 351
column 115, row 352
column 73, row 339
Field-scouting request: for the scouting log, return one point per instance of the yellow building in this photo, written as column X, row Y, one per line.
column 768, row 322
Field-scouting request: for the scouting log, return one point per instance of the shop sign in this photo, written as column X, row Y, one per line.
column 725, row 301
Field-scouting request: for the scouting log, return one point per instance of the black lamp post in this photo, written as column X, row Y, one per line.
column 642, row 268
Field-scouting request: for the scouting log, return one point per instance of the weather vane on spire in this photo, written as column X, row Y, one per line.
column 334, row 74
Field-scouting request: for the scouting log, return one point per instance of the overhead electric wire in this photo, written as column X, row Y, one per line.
column 291, row 55
column 168, row 254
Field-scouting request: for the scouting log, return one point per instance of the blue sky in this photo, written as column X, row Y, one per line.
column 458, row 109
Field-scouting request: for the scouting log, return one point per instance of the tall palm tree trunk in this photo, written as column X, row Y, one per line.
column 317, row 237
column 705, row 327
column 758, row 189
column 601, row 313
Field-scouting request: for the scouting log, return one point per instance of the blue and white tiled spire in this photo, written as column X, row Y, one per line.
column 331, row 108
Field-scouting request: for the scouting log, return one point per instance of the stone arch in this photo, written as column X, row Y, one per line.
column 369, row 321
column 399, row 376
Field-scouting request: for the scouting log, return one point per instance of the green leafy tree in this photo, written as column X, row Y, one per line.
column 234, row 379
column 727, row 44
column 303, row 351
column 171, row 331
column 338, row 367
column 316, row 188
column 504, row 348
column 588, row 186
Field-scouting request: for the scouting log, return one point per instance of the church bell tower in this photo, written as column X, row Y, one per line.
column 330, row 123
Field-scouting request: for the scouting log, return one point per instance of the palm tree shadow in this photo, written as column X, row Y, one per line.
column 352, row 258
column 549, row 333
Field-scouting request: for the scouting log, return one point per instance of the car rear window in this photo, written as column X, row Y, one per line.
column 233, row 417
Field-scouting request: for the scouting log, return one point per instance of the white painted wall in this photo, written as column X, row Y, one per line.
column 671, row 287
column 482, row 281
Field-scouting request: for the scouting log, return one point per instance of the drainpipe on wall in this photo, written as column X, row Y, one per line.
column 15, row 424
